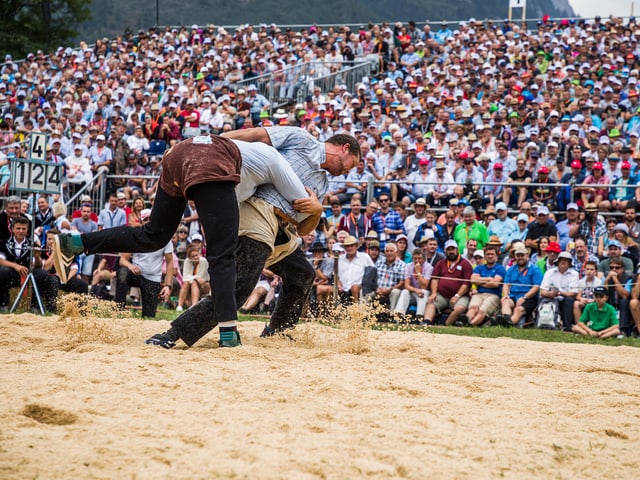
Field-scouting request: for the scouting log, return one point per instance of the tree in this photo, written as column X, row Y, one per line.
column 30, row 25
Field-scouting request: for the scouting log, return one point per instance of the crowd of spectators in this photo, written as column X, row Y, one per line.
column 457, row 121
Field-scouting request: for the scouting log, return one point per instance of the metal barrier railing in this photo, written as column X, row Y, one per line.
column 295, row 82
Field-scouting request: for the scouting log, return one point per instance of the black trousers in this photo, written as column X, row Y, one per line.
column 149, row 290
column 297, row 279
column 48, row 286
column 218, row 210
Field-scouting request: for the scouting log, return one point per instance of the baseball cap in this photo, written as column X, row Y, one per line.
column 576, row 164
column 498, row 166
column 553, row 247
column 420, row 201
column 501, row 206
column 625, row 165
column 597, row 166
column 520, row 248
column 542, row 210
column 121, row 196
column 600, row 291
column 478, row 253
column 196, row 237
column 543, row 169
column 450, row 243
column 523, row 217
column 573, row 206
column 614, row 243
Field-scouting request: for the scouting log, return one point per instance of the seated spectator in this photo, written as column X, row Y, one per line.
column 599, row 318
column 351, row 269
column 137, row 206
column 449, row 286
column 520, row 290
column 619, row 283
column 582, row 256
column 548, row 261
column 402, row 245
column 623, row 190
column 355, row 222
column 323, row 282
column 520, row 235
column 440, row 186
column 542, row 226
column 614, row 250
column 503, row 226
column 630, row 248
column 634, row 307
column 586, row 284
column 390, row 277
column 417, row 276
column 486, row 286
column 14, row 264
column 560, row 284
column 195, row 278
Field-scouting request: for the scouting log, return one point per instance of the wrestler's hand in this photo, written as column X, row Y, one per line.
column 310, row 205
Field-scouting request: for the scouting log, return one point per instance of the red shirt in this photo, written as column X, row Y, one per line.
column 451, row 276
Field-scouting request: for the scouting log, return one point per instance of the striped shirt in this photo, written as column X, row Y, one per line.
column 305, row 154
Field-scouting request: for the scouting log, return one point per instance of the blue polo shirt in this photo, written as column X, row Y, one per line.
column 522, row 281
column 487, row 272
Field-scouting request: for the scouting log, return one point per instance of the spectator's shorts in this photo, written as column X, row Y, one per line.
column 442, row 304
column 487, row 302
column 529, row 304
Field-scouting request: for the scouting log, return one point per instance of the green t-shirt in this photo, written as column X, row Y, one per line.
column 478, row 232
column 597, row 319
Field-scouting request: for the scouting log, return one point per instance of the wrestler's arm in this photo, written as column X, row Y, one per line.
column 313, row 207
column 249, row 135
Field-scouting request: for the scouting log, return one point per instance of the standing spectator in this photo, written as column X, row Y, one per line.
column 413, row 222
column 387, row 222
column 258, row 103
column 84, row 224
column 112, row 216
column 355, row 222
column 144, row 270
column 471, row 229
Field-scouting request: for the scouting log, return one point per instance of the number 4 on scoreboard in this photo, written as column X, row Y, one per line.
column 38, row 146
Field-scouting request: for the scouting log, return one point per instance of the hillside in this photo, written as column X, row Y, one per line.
column 111, row 17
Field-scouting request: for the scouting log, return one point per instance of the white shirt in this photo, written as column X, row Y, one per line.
column 150, row 263
column 564, row 282
column 350, row 272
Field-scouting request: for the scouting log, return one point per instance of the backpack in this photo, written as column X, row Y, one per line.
column 548, row 314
